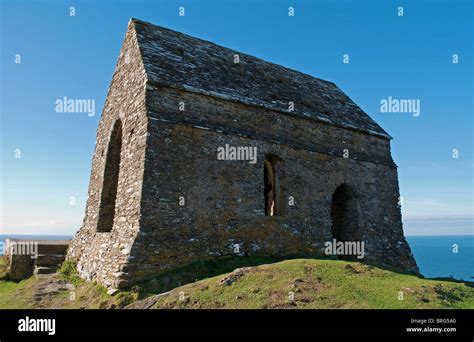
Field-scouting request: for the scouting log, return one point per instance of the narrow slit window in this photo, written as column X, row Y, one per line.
column 270, row 189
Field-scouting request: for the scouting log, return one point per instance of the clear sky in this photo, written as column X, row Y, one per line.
column 404, row 57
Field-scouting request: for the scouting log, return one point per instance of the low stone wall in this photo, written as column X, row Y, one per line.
column 24, row 255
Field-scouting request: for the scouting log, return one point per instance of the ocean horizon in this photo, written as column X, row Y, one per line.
column 437, row 256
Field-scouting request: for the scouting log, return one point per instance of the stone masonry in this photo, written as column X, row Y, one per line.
column 159, row 197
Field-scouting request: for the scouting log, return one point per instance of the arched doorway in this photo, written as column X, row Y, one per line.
column 345, row 217
column 111, row 177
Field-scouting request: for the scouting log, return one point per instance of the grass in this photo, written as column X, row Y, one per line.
column 319, row 284
column 203, row 269
column 295, row 283
column 30, row 294
column 68, row 273
column 8, row 289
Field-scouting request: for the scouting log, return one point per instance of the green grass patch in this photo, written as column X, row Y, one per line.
column 203, row 269
column 263, row 283
column 320, row 284
column 68, row 272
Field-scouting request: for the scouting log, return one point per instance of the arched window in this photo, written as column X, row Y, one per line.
column 111, row 177
column 345, row 216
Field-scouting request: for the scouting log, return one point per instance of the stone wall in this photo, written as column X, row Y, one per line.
column 102, row 256
column 167, row 154
column 224, row 200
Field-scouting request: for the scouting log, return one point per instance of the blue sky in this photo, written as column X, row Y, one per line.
column 410, row 57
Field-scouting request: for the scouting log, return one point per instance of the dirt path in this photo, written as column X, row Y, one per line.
column 46, row 291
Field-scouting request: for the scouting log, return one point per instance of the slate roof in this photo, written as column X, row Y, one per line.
column 174, row 59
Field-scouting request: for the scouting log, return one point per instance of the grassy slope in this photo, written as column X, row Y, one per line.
column 25, row 294
column 319, row 284
column 314, row 283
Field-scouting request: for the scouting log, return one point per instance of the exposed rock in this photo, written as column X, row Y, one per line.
column 48, row 287
column 235, row 275
column 111, row 291
column 352, row 269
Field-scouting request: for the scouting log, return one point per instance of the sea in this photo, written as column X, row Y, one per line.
column 437, row 256
column 444, row 255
